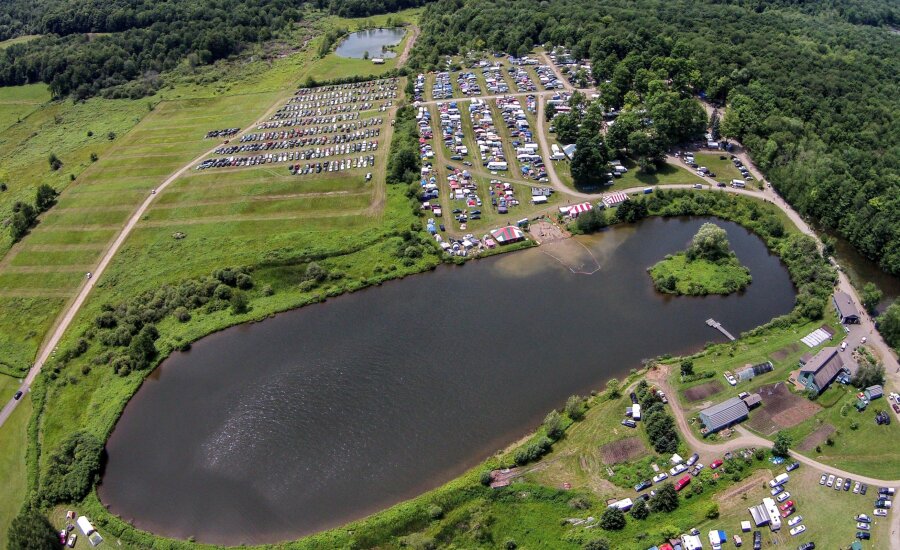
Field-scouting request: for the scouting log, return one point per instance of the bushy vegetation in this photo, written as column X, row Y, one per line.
column 404, row 162
column 889, row 324
column 24, row 216
column 658, row 423
column 811, row 95
column 30, row 530
column 73, row 469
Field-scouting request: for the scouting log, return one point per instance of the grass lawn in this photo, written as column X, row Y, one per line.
column 827, row 514
column 18, row 40
column 676, row 275
column 13, row 476
column 17, row 102
column 867, row 448
column 665, row 175
column 720, row 164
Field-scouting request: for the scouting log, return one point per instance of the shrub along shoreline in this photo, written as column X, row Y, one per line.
column 810, row 276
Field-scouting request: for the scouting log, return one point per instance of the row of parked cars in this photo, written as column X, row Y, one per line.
column 298, row 142
column 306, row 121
column 342, row 128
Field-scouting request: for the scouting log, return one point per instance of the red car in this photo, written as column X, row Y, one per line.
column 788, row 504
column 786, row 513
column 682, row 483
column 715, row 464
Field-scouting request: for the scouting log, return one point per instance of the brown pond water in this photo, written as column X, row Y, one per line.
column 316, row 417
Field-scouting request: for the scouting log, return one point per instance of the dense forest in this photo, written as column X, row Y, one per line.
column 813, row 96
column 118, row 48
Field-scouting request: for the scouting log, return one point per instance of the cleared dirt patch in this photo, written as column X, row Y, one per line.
column 701, row 392
column 781, row 409
column 622, row 450
column 816, row 438
column 782, row 354
column 746, row 486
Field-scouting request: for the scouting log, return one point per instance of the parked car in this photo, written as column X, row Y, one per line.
column 646, row 484
column 807, row 546
column 823, row 479
column 886, row 491
column 788, row 504
column 18, row 395
column 856, row 487
column 695, row 471
column 783, row 496
column 715, row 464
column 757, row 540
column 847, row 483
column 863, row 488
column 880, row 512
column 863, row 526
column 788, row 512
column 863, row 535
column 660, row 476
column 838, row 483
column 883, row 503
column 797, row 530
column 629, row 423
column 830, row 481
column 775, row 490
column 693, row 458
column 793, row 466
column 72, row 538
column 677, row 470
column 795, row 520
column 864, row 518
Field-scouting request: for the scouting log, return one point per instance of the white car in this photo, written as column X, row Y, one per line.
column 797, row 530
column 856, row 488
column 880, row 512
column 823, row 479
column 776, row 490
column 830, row 481
column 72, row 538
column 660, row 476
column 838, row 484
column 783, row 496
column 677, row 470
column 864, row 518
column 794, row 521
column 863, row 526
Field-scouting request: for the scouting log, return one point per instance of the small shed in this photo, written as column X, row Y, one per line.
column 874, row 392
column 753, row 400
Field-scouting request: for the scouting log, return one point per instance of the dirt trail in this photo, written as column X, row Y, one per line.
column 404, row 55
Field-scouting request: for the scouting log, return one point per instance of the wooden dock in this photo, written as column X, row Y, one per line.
column 718, row 326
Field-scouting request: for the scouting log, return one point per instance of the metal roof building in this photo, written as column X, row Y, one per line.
column 845, row 308
column 728, row 412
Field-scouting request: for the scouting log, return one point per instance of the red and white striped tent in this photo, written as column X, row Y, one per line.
column 579, row 209
column 614, row 199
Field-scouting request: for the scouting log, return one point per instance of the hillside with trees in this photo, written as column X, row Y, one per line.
column 809, row 92
column 118, row 48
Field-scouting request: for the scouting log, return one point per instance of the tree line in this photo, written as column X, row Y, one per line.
column 119, row 48
column 812, row 95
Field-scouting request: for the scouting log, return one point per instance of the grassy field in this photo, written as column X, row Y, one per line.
column 699, row 277
column 17, row 102
column 720, row 164
column 18, row 40
column 12, row 457
column 827, row 514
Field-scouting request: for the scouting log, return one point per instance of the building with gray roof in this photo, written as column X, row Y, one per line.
column 725, row 414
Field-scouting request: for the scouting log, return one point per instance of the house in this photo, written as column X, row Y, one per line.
column 508, row 234
column 725, row 414
column 819, row 372
column 753, row 400
column 846, row 309
column 874, row 392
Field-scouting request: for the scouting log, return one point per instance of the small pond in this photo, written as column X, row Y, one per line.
column 322, row 415
column 372, row 41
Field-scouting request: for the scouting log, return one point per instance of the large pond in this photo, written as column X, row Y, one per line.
column 322, row 415
column 372, row 41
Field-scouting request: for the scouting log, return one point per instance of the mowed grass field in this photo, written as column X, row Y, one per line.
column 52, row 261
column 17, row 102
